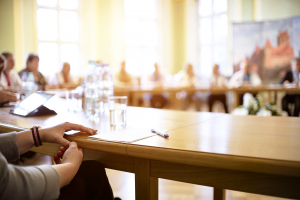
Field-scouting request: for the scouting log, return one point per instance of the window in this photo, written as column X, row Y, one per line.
column 213, row 32
column 58, row 35
column 141, row 36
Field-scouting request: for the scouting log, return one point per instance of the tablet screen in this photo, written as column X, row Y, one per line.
column 31, row 103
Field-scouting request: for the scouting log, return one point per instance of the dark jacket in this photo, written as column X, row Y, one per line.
column 288, row 77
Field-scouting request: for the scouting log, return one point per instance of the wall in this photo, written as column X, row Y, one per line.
column 7, row 42
column 103, row 28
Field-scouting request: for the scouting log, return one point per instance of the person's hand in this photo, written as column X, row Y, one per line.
column 72, row 155
column 55, row 134
column 6, row 96
column 59, row 155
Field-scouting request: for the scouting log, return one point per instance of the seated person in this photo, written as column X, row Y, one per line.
column 32, row 65
column 292, row 77
column 217, row 80
column 6, row 97
column 188, row 79
column 9, row 79
column 244, row 78
column 70, row 178
column 63, row 79
column 156, row 80
column 123, row 78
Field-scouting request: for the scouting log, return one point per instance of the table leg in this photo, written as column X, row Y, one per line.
column 236, row 100
column 135, row 100
column 219, row 194
column 146, row 187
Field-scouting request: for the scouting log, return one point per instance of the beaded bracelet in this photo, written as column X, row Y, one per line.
column 36, row 136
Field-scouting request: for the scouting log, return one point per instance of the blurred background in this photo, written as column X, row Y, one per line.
column 142, row 32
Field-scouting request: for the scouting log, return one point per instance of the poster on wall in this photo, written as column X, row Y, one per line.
column 269, row 46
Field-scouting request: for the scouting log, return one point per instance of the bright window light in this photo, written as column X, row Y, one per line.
column 47, row 24
column 148, row 9
column 205, row 7
column 70, row 53
column 132, row 8
column 69, row 26
column 133, row 32
column 220, row 57
column 48, row 3
column 48, row 53
column 205, row 31
column 220, row 28
column 149, row 58
column 220, row 6
column 205, row 60
column 149, row 33
column 134, row 60
column 141, row 36
column 68, row 4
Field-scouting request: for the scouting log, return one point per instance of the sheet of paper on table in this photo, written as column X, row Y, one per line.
column 126, row 135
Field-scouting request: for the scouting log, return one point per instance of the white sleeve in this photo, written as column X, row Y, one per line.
column 233, row 81
column 256, row 81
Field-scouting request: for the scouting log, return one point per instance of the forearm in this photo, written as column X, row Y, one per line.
column 24, row 141
column 67, row 171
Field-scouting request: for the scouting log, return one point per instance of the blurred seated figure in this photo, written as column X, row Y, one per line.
column 32, row 65
column 188, row 79
column 9, row 79
column 292, row 77
column 156, row 80
column 217, row 80
column 244, row 78
column 63, row 79
column 123, row 78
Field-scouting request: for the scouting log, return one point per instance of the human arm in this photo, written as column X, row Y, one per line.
column 51, row 135
column 6, row 96
column 68, row 163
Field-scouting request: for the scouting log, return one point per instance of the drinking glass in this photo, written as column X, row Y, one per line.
column 117, row 111
column 74, row 100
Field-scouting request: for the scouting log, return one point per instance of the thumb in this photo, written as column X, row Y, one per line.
column 73, row 144
column 62, row 141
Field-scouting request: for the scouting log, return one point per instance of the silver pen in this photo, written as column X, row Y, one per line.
column 159, row 133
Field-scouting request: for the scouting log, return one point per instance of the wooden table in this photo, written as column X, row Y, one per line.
column 249, row 154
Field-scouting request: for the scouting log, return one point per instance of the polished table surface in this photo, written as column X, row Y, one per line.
column 249, row 153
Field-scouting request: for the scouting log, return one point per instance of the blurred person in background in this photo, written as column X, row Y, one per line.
column 63, row 79
column 188, row 79
column 9, row 79
column 157, row 80
column 122, row 77
column 292, row 77
column 217, row 80
column 244, row 78
column 32, row 65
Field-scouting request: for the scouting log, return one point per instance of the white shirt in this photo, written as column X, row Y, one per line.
column 218, row 81
column 188, row 81
column 58, row 79
column 237, row 79
column 14, row 78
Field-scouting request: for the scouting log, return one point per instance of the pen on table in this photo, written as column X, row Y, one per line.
column 159, row 133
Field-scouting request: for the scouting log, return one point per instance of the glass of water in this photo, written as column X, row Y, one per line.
column 74, row 100
column 117, row 111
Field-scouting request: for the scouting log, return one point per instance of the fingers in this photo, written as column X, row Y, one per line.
column 62, row 141
column 56, row 159
column 70, row 126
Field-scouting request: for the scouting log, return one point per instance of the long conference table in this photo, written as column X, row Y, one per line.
column 249, row 154
column 136, row 92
